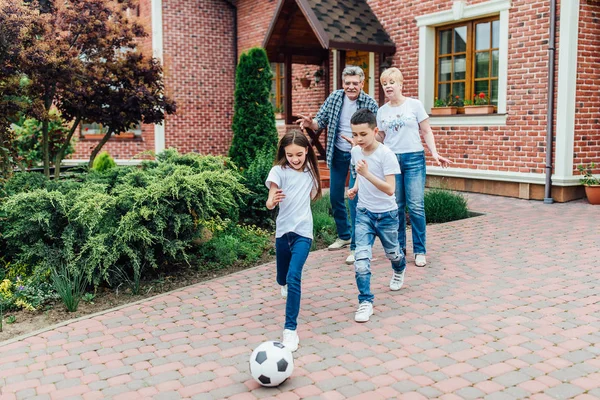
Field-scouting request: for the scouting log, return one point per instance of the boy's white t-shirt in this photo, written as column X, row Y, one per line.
column 401, row 125
column 295, row 214
column 381, row 162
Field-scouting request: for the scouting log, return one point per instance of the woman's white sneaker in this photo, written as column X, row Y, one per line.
column 284, row 291
column 420, row 260
column 350, row 260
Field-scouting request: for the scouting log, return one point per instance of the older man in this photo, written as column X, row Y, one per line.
column 335, row 114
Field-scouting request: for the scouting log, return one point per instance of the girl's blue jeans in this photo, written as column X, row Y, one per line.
column 291, row 252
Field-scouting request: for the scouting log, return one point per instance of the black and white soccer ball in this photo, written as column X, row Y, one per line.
column 271, row 363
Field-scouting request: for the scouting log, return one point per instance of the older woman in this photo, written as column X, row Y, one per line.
column 401, row 122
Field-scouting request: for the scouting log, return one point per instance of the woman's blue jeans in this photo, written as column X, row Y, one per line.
column 291, row 253
column 340, row 165
column 370, row 225
column 410, row 190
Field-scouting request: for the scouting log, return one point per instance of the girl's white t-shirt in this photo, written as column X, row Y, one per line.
column 295, row 214
column 401, row 125
column 381, row 162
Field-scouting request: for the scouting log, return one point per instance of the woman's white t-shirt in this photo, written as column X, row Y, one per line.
column 401, row 125
column 295, row 214
column 381, row 162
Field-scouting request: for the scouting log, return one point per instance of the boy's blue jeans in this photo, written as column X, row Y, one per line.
column 291, row 252
column 368, row 226
column 410, row 190
column 340, row 165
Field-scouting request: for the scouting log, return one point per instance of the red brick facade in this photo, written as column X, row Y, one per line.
column 199, row 69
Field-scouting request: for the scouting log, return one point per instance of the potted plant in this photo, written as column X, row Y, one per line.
column 591, row 183
column 480, row 104
column 318, row 75
column 305, row 81
column 447, row 106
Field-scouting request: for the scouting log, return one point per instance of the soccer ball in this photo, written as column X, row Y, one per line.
column 271, row 363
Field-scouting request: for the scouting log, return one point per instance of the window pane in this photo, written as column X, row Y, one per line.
column 481, row 86
column 445, row 42
column 482, row 36
column 460, row 39
column 281, row 69
column 495, row 57
column 494, row 93
column 482, row 65
column 495, row 34
column 458, row 89
column 460, row 67
column 445, row 69
column 443, row 90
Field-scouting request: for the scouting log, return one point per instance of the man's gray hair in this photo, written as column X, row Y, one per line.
column 353, row 70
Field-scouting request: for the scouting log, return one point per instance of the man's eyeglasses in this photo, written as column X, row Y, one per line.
column 352, row 83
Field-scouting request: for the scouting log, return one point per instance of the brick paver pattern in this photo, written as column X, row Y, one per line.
column 507, row 308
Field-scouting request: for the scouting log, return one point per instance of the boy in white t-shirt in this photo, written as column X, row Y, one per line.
column 376, row 212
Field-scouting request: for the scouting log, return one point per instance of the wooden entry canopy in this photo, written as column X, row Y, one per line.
column 305, row 32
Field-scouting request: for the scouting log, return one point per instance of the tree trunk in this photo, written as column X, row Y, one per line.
column 48, row 98
column 60, row 153
column 99, row 147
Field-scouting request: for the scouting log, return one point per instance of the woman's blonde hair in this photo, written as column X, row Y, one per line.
column 393, row 73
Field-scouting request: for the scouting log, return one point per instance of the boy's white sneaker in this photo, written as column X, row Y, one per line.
column 350, row 260
column 290, row 339
column 397, row 280
column 339, row 243
column 284, row 291
column 364, row 312
column 420, row 260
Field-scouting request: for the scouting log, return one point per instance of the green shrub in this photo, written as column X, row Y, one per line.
column 103, row 162
column 255, row 210
column 443, row 206
column 25, row 182
column 240, row 245
column 132, row 218
column 28, row 138
column 323, row 223
column 253, row 119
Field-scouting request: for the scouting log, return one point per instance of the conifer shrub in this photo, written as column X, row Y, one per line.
column 253, row 125
column 255, row 210
column 103, row 162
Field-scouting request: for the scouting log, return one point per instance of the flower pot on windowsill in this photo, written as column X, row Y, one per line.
column 592, row 193
column 485, row 109
column 305, row 82
column 279, row 116
column 444, row 110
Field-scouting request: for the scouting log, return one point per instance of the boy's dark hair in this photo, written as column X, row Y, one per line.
column 364, row 116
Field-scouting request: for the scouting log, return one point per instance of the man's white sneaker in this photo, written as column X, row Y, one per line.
column 397, row 280
column 365, row 310
column 284, row 291
column 420, row 260
column 290, row 339
column 339, row 243
column 350, row 260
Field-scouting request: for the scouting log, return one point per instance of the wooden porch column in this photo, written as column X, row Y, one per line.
column 341, row 63
column 288, row 89
column 377, row 75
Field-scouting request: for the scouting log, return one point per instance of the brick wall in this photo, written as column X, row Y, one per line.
column 587, row 112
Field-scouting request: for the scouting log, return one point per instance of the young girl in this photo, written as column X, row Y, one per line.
column 293, row 182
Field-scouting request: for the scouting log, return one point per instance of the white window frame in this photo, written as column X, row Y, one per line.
column 427, row 30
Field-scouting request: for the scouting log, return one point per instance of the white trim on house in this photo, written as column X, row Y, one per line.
column 157, row 51
column 372, row 74
column 518, row 177
column 470, row 120
column 427, row 24
column 335, row 69
column 566, row 90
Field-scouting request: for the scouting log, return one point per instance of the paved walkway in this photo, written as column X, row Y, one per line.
column 508, row 308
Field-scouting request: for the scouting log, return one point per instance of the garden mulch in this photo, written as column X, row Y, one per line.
column 507, row 308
